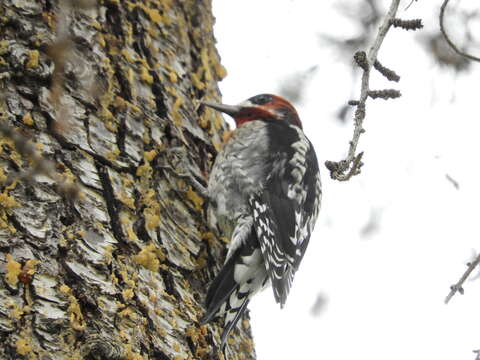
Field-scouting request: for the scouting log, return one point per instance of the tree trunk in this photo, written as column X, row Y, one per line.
column 104, row 244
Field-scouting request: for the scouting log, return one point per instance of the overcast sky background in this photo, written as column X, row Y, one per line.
column 383, row 290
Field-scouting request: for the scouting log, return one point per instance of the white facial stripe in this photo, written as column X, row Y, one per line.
column 246, row 103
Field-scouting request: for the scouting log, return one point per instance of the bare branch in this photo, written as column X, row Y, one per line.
column 345, row 169
column 450, row 42
column 454, row 182
column 458, row 287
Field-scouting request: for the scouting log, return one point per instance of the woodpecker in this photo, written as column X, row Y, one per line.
column 264, row 194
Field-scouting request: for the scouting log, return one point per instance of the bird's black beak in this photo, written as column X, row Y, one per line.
column 231, row 110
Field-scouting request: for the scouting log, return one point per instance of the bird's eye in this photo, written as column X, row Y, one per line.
column 261, row 99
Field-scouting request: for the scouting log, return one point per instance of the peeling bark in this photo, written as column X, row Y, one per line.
column 104, row 247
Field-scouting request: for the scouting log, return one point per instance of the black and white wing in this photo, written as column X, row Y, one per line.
column 285, row 211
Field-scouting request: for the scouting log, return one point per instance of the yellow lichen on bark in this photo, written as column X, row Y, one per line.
column 22, row 346
column 30, row 267
column 77, row 321
column 65, row 289
column 16, row 312
column 8, row 201
column 27, row 119
column 3, row 177
column 152, row 219
column 196, row 199
column 33, row 59
column 150, row 257
column 130, row 354
column 145, row 76
column 128, row 294
column 149, row 155
column 144, row 170
column 14, row 269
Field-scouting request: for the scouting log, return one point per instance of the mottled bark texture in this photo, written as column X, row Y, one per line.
column 104, row 248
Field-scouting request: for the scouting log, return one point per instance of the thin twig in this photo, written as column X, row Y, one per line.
column 450, row 42
column 389, row 74
column 458, row 286
column 342, row 172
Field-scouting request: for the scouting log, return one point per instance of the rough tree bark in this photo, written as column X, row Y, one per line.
column 105, row 251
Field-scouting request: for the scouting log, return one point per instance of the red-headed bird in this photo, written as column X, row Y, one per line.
column 265, row 195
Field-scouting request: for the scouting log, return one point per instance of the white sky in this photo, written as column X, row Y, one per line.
column 384, row 292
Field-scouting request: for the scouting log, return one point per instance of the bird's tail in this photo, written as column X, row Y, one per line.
column 230, row 292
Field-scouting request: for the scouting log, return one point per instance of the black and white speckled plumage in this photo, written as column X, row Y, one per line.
column 265, row 195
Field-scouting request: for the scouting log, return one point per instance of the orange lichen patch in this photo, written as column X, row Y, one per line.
column 226, row 136
column 198, row 338
column 14, row 269
column 196, row 199
column 33, row 59
column 22, row 346
column 27, row 119
column 150, row 257
column 28, row 271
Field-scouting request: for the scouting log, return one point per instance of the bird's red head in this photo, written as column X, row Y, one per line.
column 260, row 107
